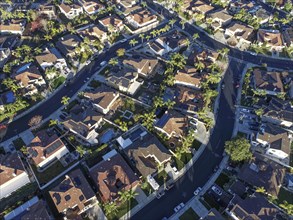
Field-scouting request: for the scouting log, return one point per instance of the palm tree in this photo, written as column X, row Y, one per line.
column 199, row 65
column 187, row 42
column 147, row 37
column 158, row 102
column 141, row 36
column 208, row 95
column 154, row 33
column 172, row 22
column 53, row 122
column 170, row 104
column 65, row 100
column 182, row 22
column 110, row 208
column 144, row 4
column 214, row 78
column 195, row 36
column 214, row 67
column 177, row 60
column 48, row 37
column 10, row 84
column 113, row 61
column 132, row 42
column 167, row 28
column 123, row 195
column 120, row 52
column 80, row 150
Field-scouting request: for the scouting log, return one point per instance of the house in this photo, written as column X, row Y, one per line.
column 172, row 42
column 30, row 80
column 288, row 36
column 143, row 19
column 172, row 124
column 239, row 33
column 238, row 188
column 277, row 140
column 102, row 98
column 127, row 3
column 278, row 112
column 13, row 174
column 70, row 11
column 189, row 76
column 270, row 82
column 200, row 7
column 220, row 18
column 205, row 56
column 254, row 207
column 7, row 43
column 145, row 66
column 15, row 26
column 73, row 194
column 51, row 57
column 45, row 149
column 48, row 10
column 91, row 6
column 271, row 38
column 124, row 79
column 127, row 10
column 113, row 175
column 144, row 150
column 83, row 122
column 112, row 23
column 93, row 33
column 213, row 215
column 35, row 208
column 262, row 16
column 263, row 172
column 68, row 44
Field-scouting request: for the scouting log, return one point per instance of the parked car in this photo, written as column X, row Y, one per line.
column 160, row 194
column 175, row 170
column 87, row 62
column 103, row 63
column 178, row 207
column 169, row 186
column 217, row 190
column 197, row 191
column 245, row 110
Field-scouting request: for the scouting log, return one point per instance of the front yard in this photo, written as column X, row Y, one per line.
column 123, row 209
column 185, row 158
column 189, row 214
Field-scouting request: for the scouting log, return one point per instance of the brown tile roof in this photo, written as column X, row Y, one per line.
column 220, row 14
column 276, row 137
column 188, row 99
column 102, row 96
column 189, row 75
column 43, row 146
column 270, row 81
column 74, row 190
column 143, row 16
column 67, row 44
column 37, row 211
column 279, row 109
column 24, row 77
column 201, row 6
column 240, row 30
column 263, row 172
column 173, row 122
column 46, row 56
column 91, row 6
column 67, row 7
column 112, row 176
column 10, row 167
column 271, row 38
column 113, row 20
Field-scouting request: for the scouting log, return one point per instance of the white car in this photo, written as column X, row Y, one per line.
column 197, row 191
column 87, row 62
column 103, row 63
column 253, row 53
column 245, row 110
column 175, row 170
column 217, row 190
column 178, row 207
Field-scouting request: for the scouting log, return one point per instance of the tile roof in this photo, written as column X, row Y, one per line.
column 270, row 81
column 143, row 16
column 279, row 109
column 37, row 211
column 201, row 6
column 50, row 55
column 67, row 8
column 271, row 37
column 74, row 190
column 189, row 75
column 220, row 14
column 113, row 20
column 10, row 167
column 188, row 99
column 68, row 43
column 31, row 73
column 112, row 176
column 240, row 30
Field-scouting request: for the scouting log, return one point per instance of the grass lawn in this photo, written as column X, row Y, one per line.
column 196, row 144
column 96, row 156
column 123, row 209
column 58, row 82
column 222, row 180
column 147, row 189
column 285, row 195
column 189, row 215
column 18, row 143
column 17, row 198
column 185, row 158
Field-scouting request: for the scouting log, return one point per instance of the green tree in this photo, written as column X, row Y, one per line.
column 110, row 208
column 177, row 60
column 120, row 52
column 141, row 36
column 65, row 100
column 24, row 150
column 80, row 150
column 259, row 112
column 172, row 22
column 195, row 36
column 238, row 149
column 260, row 190
column 10, row 84
column 147, row 119
column 199, row 65
column 113, row 61
column 133, row 42
column 7, row 68
column 53, row 122
column 158, row 102
column 287, row 207
column 182, row 22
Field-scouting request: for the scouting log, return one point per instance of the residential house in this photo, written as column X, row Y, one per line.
column 127, row 3
column 238, row 188
column 143, row 19
column 30, row 81
column 172, row 42
column 277, row 140
column 220, row 18
column 205, row 56
column 189, row 76
column 93, row 32
column 6, row 45
column 288, row 35
column 213, row 215
column 254, row 207
column 73, row 194
column 144, row 150
column 200, row 7
column 270, row 82
column 45, row 149
column 236, row 6
column 262, row 16
column 83, row 122
column 279, row 112
column 102, row 98
column 48, row 10
column 15, row 26
column 145, row 66
column 113, row 175
column 124, row 79
column 127, row 10
column 70, row 11
column 51, row 57
column 172, row 124
column 263, row 172
column 91, row 6
column 68, row 44
column 112, row 23
column 13, row 174
column 272, row 38
column 239, row 33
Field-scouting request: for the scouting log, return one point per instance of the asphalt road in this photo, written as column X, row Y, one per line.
column 203, row 168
